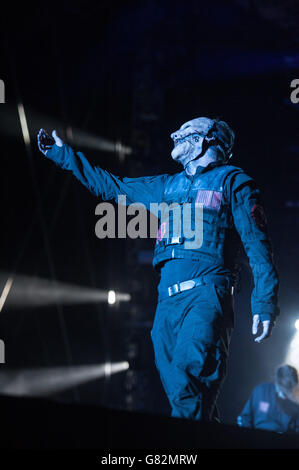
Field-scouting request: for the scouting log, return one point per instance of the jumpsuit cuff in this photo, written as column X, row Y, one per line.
column 57, row 154
column 266, row 311
column 266, row 316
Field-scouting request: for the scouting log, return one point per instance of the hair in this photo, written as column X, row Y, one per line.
column 287, row 377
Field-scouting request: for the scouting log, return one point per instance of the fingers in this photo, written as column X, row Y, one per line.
column 255, row 324
column 267, row 328
column 39, row 140
column 45, row 142
column 57, row 139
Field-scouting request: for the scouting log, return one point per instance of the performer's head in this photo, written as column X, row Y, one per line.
column 201, row 141
column 286, row 379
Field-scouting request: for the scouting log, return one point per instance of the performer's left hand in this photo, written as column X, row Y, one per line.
column 267, row 328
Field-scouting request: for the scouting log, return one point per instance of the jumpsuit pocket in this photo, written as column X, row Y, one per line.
column 224, row 305
column 222, row 296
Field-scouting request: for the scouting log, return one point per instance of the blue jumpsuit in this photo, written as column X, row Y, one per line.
column 265, row 410
column 192, row 328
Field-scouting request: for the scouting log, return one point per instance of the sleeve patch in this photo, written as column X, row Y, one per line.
column 259, row 216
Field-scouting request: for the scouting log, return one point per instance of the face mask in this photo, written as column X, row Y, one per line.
column 194, row 137
column 187, row 147
column 189, row 140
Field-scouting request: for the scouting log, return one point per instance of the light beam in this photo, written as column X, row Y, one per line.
column 47, row 381
column 30, row 292
column 5, row 292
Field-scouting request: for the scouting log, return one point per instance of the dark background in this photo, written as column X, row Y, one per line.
column 133, row 72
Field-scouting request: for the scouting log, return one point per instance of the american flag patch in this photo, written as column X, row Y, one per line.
column 161, row 232
column 264, row 406
column 210, row 199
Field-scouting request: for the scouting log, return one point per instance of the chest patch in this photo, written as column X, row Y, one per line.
column 210, row 199
column 264, row 406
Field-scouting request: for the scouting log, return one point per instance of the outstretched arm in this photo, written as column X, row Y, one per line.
column 100, row 182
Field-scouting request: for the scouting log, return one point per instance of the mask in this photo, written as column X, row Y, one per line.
column 193, row 138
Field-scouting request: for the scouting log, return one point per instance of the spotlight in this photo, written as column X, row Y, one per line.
column 111, row 297
column 112, row 368
column 292, row 356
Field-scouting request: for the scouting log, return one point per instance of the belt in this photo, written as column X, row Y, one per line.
column 172, row 241
column 198, row 281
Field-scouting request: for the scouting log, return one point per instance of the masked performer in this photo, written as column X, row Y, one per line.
column 194, row 317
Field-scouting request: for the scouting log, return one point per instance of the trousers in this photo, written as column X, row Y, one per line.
column 191, row 335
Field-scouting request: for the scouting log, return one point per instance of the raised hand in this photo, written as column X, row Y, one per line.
column 45, row 142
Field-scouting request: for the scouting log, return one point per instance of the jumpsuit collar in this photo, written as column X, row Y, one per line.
column 204, row 169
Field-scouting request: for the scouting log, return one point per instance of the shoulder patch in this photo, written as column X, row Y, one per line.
column 259, row 216
column 235, row 179
column 240, row 178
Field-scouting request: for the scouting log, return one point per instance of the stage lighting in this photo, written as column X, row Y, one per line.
column 31, row 121
column 47, row 381
column 112, row 368
column 33, row 292
column 292, row 357
column 24, row 125
column 111, row 297
column 5, row 292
